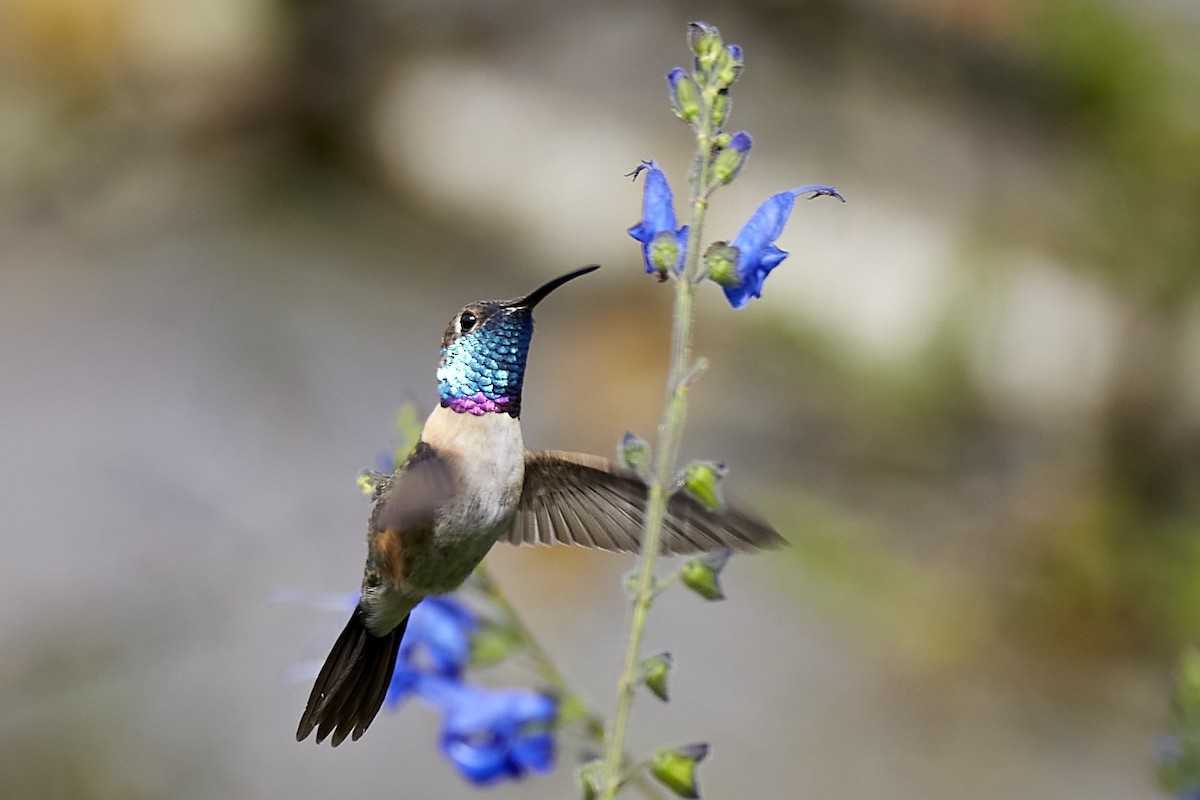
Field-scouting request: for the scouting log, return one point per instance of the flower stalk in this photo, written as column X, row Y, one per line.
column 670, row 434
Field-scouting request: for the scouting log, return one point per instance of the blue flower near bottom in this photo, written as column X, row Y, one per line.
column 489, row 734
column 436, row 643
column 755, row 242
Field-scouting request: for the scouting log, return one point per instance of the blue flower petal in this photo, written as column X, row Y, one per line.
column 436, row 643
column 404, row 682
column 658, row 215
column 757, row 253
column 818, row 190
column 535, row 753
column 741, row 142
column 755, row 243
column 675, row 76
column 489, row 735
column 443, row 627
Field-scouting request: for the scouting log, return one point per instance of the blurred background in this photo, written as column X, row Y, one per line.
column 231, row 234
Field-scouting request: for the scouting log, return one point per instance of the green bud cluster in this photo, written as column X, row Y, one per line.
column 700, row 98
column 716, row 65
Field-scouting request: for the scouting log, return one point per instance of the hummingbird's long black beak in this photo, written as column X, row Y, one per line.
column 536, row 296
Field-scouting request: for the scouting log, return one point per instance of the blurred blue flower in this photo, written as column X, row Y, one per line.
column 663, row 246
column 755, row 242
column 489, row 734
column 436, row 644
column 385, row 461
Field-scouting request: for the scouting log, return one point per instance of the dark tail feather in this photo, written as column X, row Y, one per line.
column 353, row 683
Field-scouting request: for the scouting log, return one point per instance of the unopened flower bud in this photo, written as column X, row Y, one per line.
column 705, row 41
column 685, row 96
column 634, row 452
column 728, row 67
column 589, row 781
column 719, row 110
column 654, row 674
column 729, row 160
column 702, row 574
column 700, row 479
column 676, row 768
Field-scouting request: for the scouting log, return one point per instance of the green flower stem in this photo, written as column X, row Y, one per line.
column 672, row 577
column 543, row 663
column 669, row 438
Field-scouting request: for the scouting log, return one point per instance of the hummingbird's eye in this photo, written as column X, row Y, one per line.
column 466, row 321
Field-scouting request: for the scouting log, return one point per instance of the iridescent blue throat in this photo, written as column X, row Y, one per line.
column 481, row 372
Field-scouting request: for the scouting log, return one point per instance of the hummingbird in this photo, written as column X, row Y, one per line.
column 470, row 483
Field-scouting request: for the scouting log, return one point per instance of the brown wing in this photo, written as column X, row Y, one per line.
column 353, row 682
column 409, row 500
column 572, row 498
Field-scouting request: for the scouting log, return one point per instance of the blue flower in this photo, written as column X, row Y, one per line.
column 755, row 243
column 663, row 246
column 436, row 644
column 489, row 734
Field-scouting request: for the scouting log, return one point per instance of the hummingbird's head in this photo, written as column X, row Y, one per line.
column 484, row 351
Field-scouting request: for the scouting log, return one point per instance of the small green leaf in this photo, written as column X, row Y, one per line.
column 654, row 674
column 701, row 575
column 676, row 768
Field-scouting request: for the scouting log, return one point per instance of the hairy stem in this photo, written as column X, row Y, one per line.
column 547, row 669
column 669, row 437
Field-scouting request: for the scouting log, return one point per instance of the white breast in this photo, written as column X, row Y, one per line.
column 488, row 455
